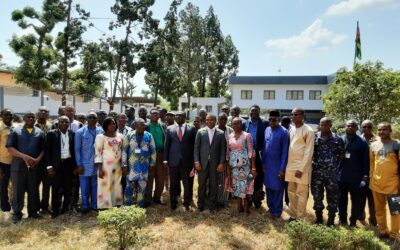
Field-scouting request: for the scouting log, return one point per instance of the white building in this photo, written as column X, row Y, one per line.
column 211, row 104
column 281, row 93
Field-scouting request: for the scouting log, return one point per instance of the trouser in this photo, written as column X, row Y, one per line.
column 135, row 192
column 258, row 194
column 321, row 182
column 166, row 181
column 156, row 175
column 4, row 183
column 286, row 194
column 275, row 201
column 75, row 190
column 44, row 179
column 355, row 195
column 366, row 194
column 207, row 174
column 88, row 188
column 380, row 206
column 25, row 180
column 61, row 186
column 298, row 195
column 176, row 174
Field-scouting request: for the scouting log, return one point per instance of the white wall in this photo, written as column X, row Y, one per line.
column 280, row 101
column 21, row 104
column 202, row 102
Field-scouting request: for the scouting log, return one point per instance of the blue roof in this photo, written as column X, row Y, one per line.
column 295, row 80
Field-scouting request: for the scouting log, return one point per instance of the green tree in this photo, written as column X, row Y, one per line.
column 160, row 58
column 36, row 48
column 368, row 92
column 190, row 51
column 131, row 15
column 69, row 42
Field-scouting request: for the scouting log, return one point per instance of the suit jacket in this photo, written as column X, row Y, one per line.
column 261, row 126
column 213, row 154
column 53, row 148
column 175, row 150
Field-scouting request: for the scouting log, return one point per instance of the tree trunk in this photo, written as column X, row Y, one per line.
column 65, row 59
column 156, row 91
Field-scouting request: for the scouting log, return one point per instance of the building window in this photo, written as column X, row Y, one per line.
column 35, row 92
column 269, row 94
column 209, row 108
column 294, row 94
column 246, row 95
column 315, row 94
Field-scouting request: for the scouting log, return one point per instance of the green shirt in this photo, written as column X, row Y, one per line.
column 158, row 135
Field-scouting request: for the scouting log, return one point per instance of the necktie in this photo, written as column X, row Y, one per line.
column 180, row 135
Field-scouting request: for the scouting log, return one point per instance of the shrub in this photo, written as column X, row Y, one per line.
column 122, row 225
column 309, row 237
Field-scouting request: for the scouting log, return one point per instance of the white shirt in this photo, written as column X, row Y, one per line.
column 211, row 132
column 183, row 127
column 74, row 126
column 65, row 146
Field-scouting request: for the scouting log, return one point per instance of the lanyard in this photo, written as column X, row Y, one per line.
column 138, row 139
column 349, row 143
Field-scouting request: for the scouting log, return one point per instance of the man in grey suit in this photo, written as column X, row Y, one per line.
column 178, row 156
column 209, row 158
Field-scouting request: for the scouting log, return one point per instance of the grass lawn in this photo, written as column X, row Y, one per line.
column 163, row 230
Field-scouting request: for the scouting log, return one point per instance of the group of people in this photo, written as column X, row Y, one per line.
column 114, row 159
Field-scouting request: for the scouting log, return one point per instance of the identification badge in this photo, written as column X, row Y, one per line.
column 347, row 155
column 137, row 151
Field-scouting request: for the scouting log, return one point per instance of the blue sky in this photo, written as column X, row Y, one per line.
column 286, row 37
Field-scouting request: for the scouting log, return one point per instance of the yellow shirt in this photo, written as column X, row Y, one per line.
column 384, row 175
column 300, row 154
column 5, row 156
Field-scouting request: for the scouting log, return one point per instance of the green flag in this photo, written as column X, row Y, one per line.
column 358, row 44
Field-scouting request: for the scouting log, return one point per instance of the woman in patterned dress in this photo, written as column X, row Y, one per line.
column 242, row 168
column 108, row 150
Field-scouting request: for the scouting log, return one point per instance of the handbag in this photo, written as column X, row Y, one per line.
column 228, row 184
column 394, row 203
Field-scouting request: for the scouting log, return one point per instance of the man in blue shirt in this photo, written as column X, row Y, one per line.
column 84, row 153
column 26, row 145
column 256, row 127
column 275, row 156
column 353, row 173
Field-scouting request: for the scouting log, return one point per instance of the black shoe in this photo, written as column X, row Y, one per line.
column 331, row 221
column 173, row 207
column 35, row 216
column 291, row 219
column 187, row 207
column 44, row 211
column 383, row 236
column 353, row 224
column 213, row 211
column 159, row 202
column 85, row 211
column 54, row 215
column 201, row 209
column 319, row 220
column 17, row 217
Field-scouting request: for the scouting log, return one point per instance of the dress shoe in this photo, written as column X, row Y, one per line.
column 159, row 202
column 201, row 209
column 319, row 219
column 173, row 207
column 16, row 217
column 383, row 236
column 187, row 207
column 35, row 216
column 291, row 219
column 54, row 215
column 85, row 211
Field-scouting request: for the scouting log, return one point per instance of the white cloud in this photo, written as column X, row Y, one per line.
column 346, row 7
column 314, row 39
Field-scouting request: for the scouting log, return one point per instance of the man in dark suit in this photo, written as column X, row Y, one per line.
column 178, row 157
column 60, row 162
column 256, row 127
column 209, row 158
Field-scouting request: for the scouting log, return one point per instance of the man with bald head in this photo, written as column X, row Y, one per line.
column 298, row 169
column 384, row 174
column 353, row 173
column 328, row 152
column 26, row 145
